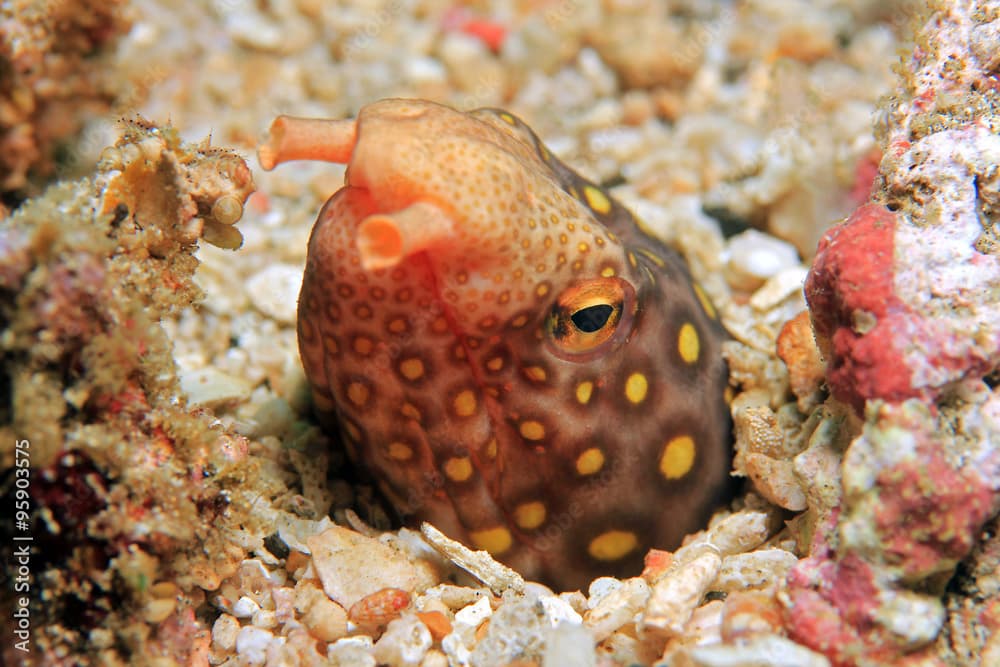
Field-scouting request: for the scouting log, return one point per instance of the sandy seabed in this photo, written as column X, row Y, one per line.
column 185, row 506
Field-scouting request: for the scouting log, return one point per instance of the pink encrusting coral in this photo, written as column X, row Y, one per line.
column 905, row 302
column 914, row 500
column 856, row 313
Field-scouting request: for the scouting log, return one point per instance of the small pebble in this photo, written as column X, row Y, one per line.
column 705, row 625
column 251, row 29
column 245, row 607
column 754, row 257
column 456, row 597
column 748, row 614
column 352, row 566
column 601, row 588
column 435, row 658
column 158, row 610
column 783, row 284
column 223, row 236
column 273, row 417
column 424, row 70
column 456, row 650
column 405, row 642
column 210, row 387
column 767, row 651
column 775, row 479
column 224, row 632
column 757, row 569
column 437, row 622
column 740, row 532
column 352, row 651
column 617, row 608
column 676, row 595
column 379, row 608
column 569, row 644
column 252, row 643
column 265, row 618
column 325, row 619
column 558, row 611
column 274, row 291
column 470, row 618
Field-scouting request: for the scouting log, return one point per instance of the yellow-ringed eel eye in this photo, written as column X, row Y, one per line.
column 590, row 317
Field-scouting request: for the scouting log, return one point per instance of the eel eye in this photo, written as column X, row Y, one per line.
column 590, row 317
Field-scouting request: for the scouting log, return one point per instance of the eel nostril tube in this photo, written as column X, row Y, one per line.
column 291, row 138
column 384, row 239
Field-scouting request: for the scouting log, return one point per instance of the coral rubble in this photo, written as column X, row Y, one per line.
column 904, row 298
column 53, row 74
column 124, row 474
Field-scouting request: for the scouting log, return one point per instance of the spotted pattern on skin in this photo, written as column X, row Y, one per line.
column 412, row 369
column 475, row 313
column 678, row 457
column 584, row 391
column 613, row 545
column 400, row 451
column 458, row 469
column 465, row 403
column 331, row 346
column 496, row 540
column 363, row 345
column 530, row 515
column 636, row 387
column 689, row 343
column 398, row 325
column 358, row 393
column 532, row 429
column 590, row 461
column 535, row 374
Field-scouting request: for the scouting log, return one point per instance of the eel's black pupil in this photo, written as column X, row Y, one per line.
column 592, row 318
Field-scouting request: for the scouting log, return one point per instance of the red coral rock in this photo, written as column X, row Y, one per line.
column 854, row 591
column 832, row 607
column 929, row 512
column 814, row 622
column 855, row 310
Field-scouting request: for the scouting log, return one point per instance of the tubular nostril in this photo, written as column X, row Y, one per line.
column 291, row 138
column 384, row 239
column 379, row 242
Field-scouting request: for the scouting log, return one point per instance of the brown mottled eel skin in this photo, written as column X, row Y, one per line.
column 502, row 345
